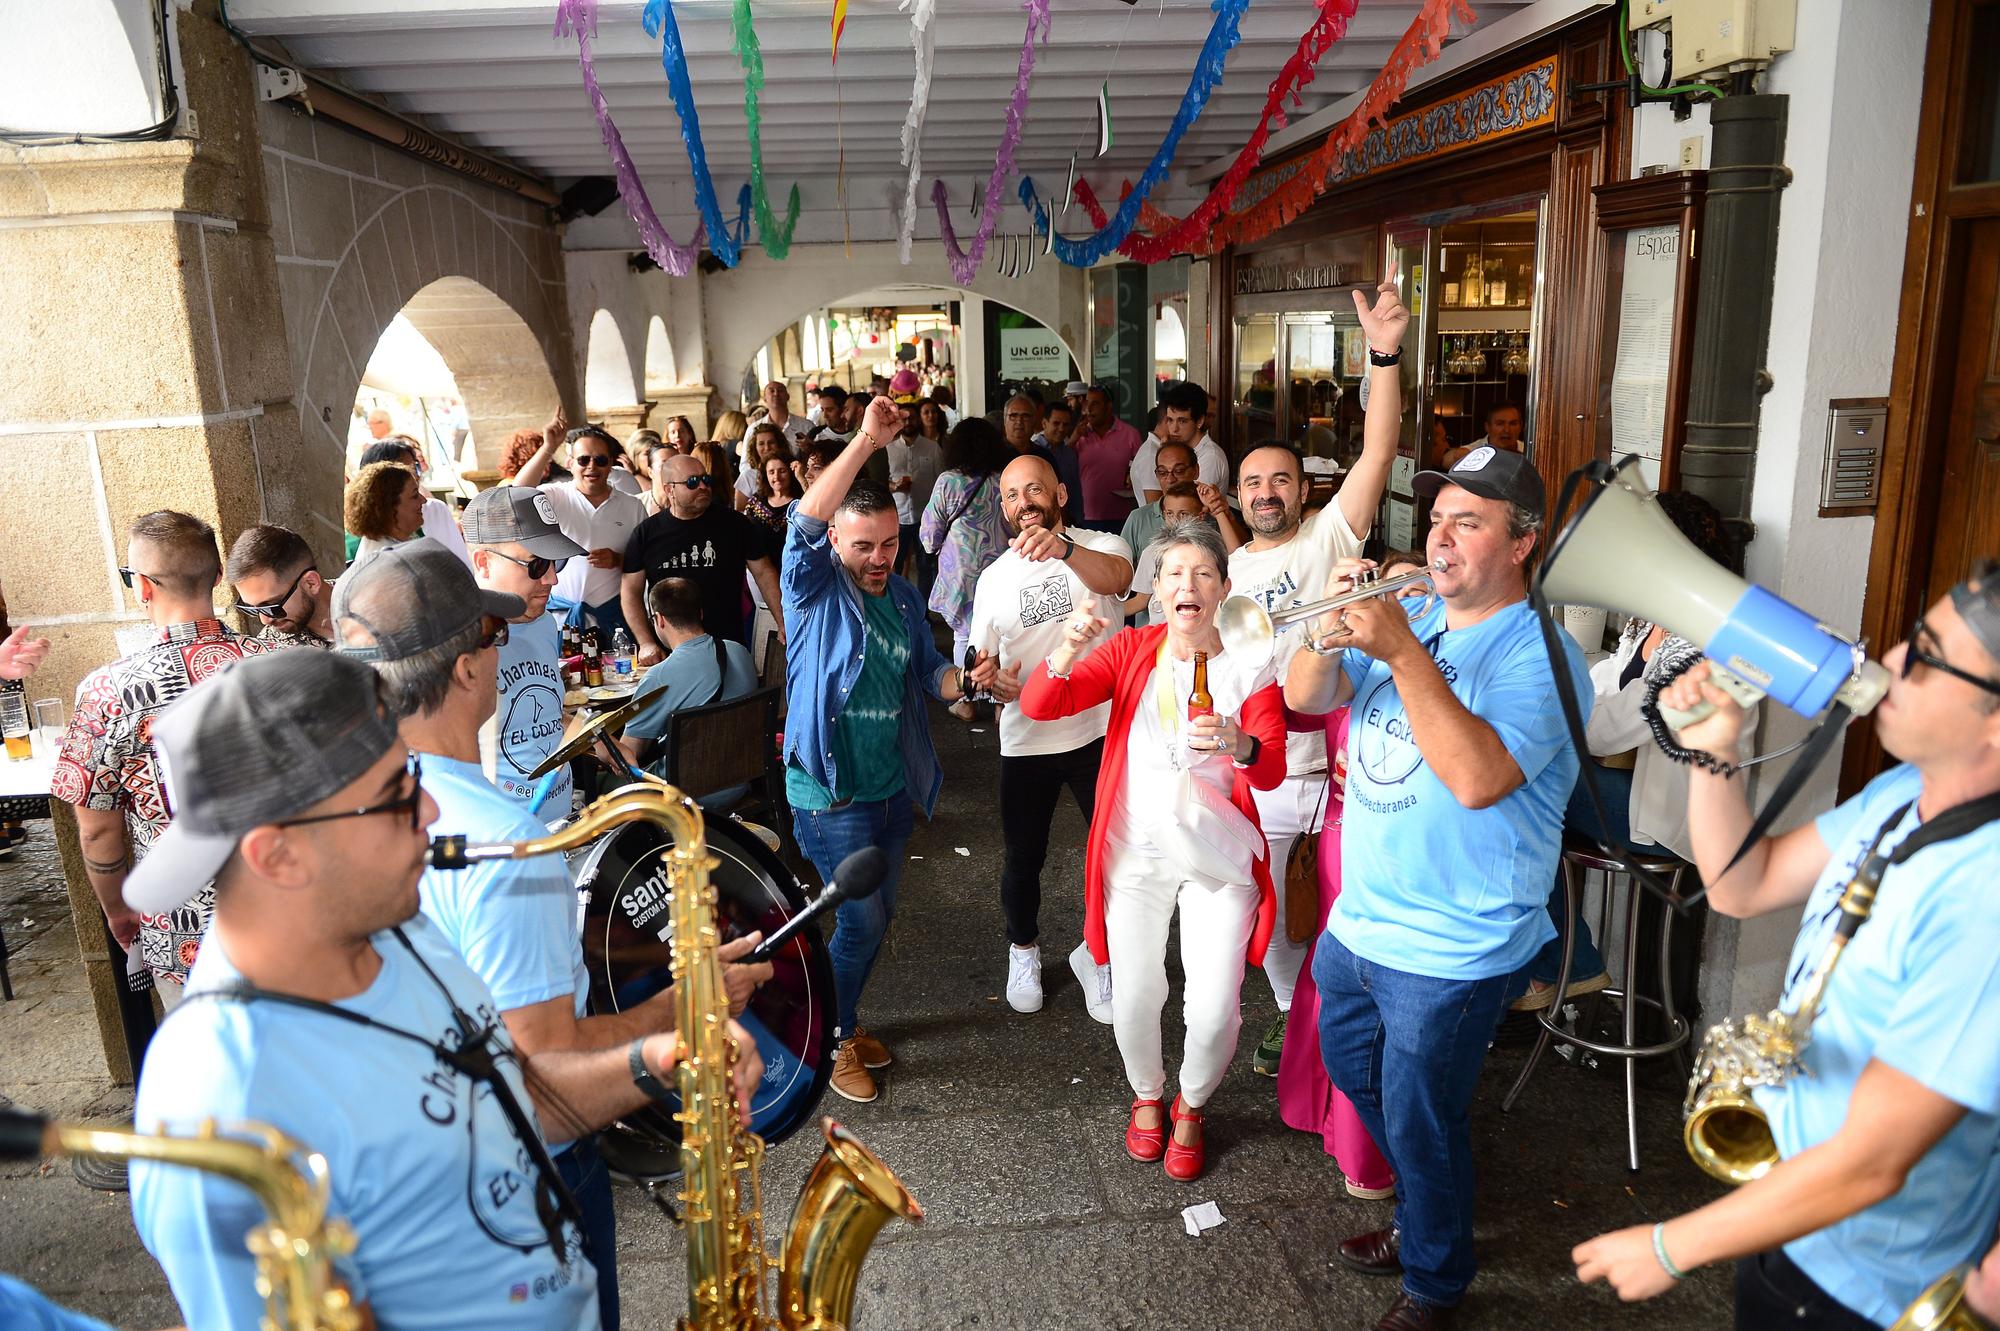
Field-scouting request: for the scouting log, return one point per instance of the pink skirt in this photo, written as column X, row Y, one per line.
column 1306, row 1099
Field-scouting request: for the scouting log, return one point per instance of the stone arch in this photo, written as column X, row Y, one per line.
column 608, row 381
column 661, row 373
column 479, row 260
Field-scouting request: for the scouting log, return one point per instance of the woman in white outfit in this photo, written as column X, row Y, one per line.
column 1173, row 827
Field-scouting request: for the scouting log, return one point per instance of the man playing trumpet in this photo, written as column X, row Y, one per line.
column 1889, row 1136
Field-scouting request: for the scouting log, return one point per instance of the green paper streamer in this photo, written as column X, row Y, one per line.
column 777, row 241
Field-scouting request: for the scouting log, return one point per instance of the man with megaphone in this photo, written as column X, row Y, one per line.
column 1457, row 777
column 1888, row 1140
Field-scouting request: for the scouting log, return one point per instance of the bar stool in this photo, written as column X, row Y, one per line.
column 1580, row 857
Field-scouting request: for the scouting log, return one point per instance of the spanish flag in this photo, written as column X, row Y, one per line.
column 839, row 26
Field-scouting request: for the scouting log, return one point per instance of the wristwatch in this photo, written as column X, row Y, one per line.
column 642, row 1076
column 1069, row 546
column 1385, row 358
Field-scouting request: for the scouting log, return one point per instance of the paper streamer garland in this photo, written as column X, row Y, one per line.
column 777, row 240
column 924, row 37
column 1223, row 35
column 579, row 17
column 726, row 246
column 965, row 262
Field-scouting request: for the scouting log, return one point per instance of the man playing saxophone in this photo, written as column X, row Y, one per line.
column 1889, row 1136
column 325, row 1005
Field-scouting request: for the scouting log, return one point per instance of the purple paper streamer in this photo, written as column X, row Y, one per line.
column 965, row 262
column 677, row 260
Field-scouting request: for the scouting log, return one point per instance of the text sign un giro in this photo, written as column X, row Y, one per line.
column 1032, row 353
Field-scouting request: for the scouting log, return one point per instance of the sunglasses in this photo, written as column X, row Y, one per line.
column 273, row 609
column 694, row 482
column 1912, row 654
column 126, row 575
column 538, row 567
column 401, row 804
column 492, row 631
column 582, row 460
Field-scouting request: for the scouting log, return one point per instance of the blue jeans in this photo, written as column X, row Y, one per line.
column 1406, row 1051
column 1615, row 785
column 828, row 836
column 590, row 1183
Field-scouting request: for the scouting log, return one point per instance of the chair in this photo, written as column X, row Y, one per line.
column 771, row 666
column 729, row 744
column 1580, row 857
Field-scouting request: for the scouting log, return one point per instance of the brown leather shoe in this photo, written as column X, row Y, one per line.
column 1376, row 1253
column 871, row 1051
column 849, row 1077
column 1407, row 1314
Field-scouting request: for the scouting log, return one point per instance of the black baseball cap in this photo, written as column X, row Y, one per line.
column 517, row 513
column 410, row 598
column 1490, row 473
column 264, row 740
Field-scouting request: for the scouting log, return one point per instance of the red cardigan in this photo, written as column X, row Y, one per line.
column 1118, row 671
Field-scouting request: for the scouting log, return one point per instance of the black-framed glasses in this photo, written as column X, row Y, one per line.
column 273, row 609
column 694, row 482
column 538, row 566
column 1913, row 653
column 126, row 575
column 402, row 803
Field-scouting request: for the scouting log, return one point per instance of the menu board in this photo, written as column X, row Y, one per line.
column 1645, row 345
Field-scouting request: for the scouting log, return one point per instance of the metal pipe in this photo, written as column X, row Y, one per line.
column 387, row 127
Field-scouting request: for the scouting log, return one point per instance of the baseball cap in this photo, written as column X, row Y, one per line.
column 1490, row 473
column 1977, row 601
column 265, row 739
column 1075, row 388
column 413, row 597
column 517, row 513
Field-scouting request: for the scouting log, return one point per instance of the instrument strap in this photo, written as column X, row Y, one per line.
column 474, row 1057
column 1957, row 821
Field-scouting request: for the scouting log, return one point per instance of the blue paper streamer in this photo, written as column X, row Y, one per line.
column 726, row 245
column 1223, row 35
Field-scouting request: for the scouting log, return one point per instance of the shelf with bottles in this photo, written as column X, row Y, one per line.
column 1487, row 265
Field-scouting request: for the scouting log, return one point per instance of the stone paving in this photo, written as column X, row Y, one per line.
column 1007, row 1128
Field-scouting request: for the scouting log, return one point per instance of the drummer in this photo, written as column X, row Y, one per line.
column 414, row 612
column 699, row 671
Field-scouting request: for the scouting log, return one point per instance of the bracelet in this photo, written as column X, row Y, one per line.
column 1385, row 358
column 1050, row 666
column 1660, row 1252
column 1256, row 751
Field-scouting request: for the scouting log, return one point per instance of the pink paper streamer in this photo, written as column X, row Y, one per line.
column 965, row 262
column 677, row 260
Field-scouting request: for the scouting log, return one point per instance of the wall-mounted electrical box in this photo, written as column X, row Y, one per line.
column 1717, row 36
column 1851, row 476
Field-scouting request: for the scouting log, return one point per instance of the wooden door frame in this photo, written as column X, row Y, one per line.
column 1926, row 350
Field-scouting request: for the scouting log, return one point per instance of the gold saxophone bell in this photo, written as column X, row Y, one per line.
column 850, row 1193
column 295, row 1246
column 1942, row 1307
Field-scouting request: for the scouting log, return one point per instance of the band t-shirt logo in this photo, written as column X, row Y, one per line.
column 527, row 723
column 712, row 551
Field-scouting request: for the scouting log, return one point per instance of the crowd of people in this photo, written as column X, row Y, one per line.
column 1397, row 767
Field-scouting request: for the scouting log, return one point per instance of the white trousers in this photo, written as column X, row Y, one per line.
column 1288, row 811
column 1140, row 895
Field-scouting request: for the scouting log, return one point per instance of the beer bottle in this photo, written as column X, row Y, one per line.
column 14, row 720
column 1199, row 703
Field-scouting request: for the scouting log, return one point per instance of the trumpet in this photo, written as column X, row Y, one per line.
column 1248, row 628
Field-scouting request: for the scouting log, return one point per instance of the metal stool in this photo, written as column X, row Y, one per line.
column 1579, row 858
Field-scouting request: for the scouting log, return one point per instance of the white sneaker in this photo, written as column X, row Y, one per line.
column 1094, row 980
column 1024, row 978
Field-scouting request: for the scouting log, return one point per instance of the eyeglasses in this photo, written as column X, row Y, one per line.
column 1912, row 653
column 127, row 574
column 409, row 803
column 492, row 632
column 273, row 609
column 538, row 567
column 694, row 482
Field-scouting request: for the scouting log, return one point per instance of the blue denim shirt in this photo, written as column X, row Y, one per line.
column 825, row 629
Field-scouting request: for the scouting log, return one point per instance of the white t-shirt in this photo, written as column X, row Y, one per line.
column 1293, row 574
column 1211, row 465
column 920, row 459
column 441, row 525
column 1018, row 611
column 796, row 427
column 608, row 525
column 624, row 482
column 1156, row 752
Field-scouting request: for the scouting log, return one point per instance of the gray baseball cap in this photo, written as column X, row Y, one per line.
column 410, row 598
column 262, row 741
column 1490, row 473
column 1977, row 601
column 517, row 513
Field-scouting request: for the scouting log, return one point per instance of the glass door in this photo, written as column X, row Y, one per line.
column 1254, row 396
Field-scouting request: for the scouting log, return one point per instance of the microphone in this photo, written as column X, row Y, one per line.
column 859, row 876
column 24, row 1136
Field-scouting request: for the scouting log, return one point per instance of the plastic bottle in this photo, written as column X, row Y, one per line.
column 622, row 651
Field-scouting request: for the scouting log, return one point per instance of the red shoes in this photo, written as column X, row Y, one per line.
column 1185, row 1162
column 1145, row 1144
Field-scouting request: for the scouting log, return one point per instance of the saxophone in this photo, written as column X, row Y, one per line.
column 850, row 1193
column 296, row 1244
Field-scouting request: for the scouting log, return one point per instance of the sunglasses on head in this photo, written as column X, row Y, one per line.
column 537, row 566
column 273, row 609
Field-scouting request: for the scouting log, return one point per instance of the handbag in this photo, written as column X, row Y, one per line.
column 1302, row 877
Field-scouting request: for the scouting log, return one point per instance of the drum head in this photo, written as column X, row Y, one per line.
column 627, row 948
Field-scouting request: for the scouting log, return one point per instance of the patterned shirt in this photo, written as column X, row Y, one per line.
column 107, row 761
column 964, row 527
column 277, row 637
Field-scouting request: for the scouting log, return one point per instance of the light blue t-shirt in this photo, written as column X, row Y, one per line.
column 687, row 679
column 1917, row 988
column 24, row 1308
column 1427, row 885
column 527, row 724
column 423, row 1162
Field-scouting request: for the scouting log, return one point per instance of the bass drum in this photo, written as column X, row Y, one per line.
column 628, row 950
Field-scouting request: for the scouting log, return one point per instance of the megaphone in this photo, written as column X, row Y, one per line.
column 1622, row 552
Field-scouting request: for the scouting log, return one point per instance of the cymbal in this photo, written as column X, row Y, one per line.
column 611, row 723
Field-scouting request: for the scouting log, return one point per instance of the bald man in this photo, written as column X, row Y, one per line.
column 1018, row 609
